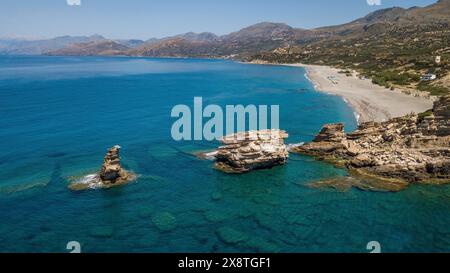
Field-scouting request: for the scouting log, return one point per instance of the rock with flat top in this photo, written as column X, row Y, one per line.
column 247, row 151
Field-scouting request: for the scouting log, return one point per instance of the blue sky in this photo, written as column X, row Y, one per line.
column 144, row 19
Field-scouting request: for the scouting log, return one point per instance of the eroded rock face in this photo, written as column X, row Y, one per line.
column 410, row 148
column 112, row 170
column 244, row 152
column 331, row 133
column 441, row 113
column 110, row 175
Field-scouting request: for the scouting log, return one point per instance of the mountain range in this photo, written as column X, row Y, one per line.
column 20, row 46
column 392, row 46
column 244, row 43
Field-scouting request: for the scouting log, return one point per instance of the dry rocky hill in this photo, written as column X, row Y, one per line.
column 394, row 47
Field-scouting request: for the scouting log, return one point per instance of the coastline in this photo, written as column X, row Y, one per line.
column 369, row 101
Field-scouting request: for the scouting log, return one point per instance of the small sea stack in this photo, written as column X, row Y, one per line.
column 110, row 175
column 248, row 151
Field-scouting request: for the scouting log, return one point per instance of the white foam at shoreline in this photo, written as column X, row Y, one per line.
column 311, row 81
column 87, row 179
column 211, row 155
column 290, row 147
column 307, row 77
column 357, row 116
column 91, row 179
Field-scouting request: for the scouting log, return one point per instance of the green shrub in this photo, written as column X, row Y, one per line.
column 423, row 115
column 433, row 90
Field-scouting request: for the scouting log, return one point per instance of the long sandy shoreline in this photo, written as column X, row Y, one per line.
column 370, row 102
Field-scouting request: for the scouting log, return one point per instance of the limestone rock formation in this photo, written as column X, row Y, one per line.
column 414, row 148
column 110, row 175
column 112, row 170
column 244, row 152
column 441, row 113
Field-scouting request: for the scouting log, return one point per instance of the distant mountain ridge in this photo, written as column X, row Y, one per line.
column 94, row 48
column 242, row 44
column 394, row 47
column 24, row 46
column 261, row 36
column 35, row 47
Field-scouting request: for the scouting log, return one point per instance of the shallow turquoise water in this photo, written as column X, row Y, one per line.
column 59, row 115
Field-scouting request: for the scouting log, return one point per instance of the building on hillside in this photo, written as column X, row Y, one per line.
column 428, row 77
column 438, row 59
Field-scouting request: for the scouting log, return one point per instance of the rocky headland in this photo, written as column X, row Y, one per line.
column 247, row 151
column 392, row 154
column 110, row 175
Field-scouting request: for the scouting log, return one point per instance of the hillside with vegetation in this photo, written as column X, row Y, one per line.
column 394, row 47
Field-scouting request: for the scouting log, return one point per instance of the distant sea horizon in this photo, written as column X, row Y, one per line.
column 60, row 114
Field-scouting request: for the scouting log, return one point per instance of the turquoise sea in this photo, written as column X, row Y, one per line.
column 58, row 115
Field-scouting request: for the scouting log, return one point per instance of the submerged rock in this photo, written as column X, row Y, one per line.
column 230, row 235
column 110, row 175
column 244, row 152
column 409, row 149
column 218, row 216
column 235, row 237
column 345, row 184
column 164, row 221
column 261, row 245
column 216, row 196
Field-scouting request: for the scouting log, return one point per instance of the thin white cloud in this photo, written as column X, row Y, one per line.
column 374, row 2
column 74, row 2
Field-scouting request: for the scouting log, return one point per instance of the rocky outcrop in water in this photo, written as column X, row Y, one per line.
column 414, row 148
column 111, row 174
column 111, row 171
column 244, row 152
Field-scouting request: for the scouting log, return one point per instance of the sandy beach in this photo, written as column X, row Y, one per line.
column 370, row 102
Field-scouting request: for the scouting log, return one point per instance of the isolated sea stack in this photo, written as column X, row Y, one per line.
column 110, row 175
column 409, row 149
column 112, row 172
column 247, row 151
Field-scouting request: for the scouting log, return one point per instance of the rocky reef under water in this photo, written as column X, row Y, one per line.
column 111, row 174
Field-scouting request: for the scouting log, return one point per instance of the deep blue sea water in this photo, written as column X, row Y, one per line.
column 58, row 115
